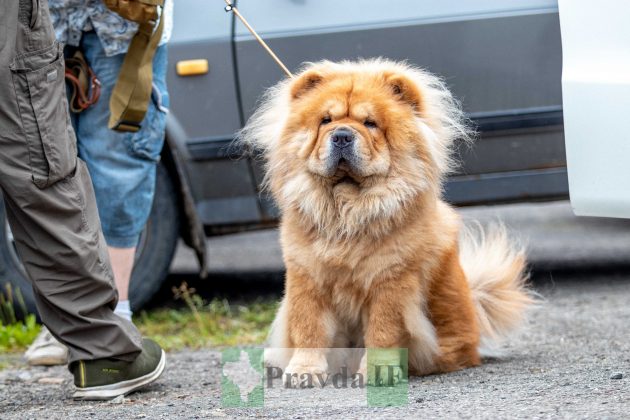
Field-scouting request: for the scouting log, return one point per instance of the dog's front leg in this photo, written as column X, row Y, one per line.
column 386, row 330
column 311, row 328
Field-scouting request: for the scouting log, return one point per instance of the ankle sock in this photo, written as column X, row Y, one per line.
column 123, row 309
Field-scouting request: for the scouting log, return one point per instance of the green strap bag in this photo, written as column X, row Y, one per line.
column 131, row 95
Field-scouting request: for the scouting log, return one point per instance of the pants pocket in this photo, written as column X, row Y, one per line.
column 38, row 79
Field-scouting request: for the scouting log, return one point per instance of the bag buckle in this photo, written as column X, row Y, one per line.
column 129, row 126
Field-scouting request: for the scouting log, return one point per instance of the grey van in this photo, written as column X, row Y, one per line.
column 501, row 59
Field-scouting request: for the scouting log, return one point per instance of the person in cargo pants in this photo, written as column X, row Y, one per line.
column 51, row 210
column 122, row 165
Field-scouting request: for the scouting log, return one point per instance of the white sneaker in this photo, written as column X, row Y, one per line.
column 46, row 351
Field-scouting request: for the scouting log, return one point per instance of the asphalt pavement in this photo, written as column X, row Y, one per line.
column 572, row 361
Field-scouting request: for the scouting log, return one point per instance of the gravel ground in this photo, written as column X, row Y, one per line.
column 561, row 366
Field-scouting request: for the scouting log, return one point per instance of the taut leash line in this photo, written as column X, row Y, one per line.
column 231, row 8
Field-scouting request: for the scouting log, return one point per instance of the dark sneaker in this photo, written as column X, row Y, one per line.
column 103, row 379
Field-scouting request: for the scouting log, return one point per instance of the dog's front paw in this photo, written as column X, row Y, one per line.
column 383, row 368
column 306, row 373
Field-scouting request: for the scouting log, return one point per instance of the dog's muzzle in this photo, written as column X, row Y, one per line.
column 342, row 149
column 342, row 138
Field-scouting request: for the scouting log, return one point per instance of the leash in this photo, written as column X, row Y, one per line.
column 231, row 8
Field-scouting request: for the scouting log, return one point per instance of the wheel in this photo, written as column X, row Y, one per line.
column 12, row 274
column 155, row 250
column 157, row 243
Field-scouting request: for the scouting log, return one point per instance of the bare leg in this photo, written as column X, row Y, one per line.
column 122, row 264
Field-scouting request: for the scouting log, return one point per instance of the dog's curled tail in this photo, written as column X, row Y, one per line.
column 495, row 268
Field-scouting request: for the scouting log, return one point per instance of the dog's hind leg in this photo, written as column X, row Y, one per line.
column 452, row 313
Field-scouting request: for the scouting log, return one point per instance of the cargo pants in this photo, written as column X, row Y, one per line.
column 48, row 194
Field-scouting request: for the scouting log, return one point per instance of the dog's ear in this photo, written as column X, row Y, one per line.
column 405, row 90
column 305, row 82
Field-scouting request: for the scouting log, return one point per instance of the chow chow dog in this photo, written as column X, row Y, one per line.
column 356, row 154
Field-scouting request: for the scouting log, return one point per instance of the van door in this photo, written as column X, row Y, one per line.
column 501, row 59
column 205, row 115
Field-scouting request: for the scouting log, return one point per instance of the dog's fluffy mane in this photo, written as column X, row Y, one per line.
column 442, row 113
column 440, row 122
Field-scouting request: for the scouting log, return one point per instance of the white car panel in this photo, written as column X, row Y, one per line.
column 596, row 102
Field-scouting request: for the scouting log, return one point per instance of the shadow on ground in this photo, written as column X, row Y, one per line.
column 232, row 286
column 248, row 286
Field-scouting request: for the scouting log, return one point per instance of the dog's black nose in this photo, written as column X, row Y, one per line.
column 342, row 137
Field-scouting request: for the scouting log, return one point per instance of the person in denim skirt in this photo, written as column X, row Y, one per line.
column 122, row 165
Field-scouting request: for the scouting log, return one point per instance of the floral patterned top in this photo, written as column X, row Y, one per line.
column 72, row 17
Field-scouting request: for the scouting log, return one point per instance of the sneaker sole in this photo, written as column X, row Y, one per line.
column 47, row 361
column 107, row 392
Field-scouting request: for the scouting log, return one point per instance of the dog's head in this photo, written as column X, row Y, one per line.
column 352, row 144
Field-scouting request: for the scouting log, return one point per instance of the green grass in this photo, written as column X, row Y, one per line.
column 200, row 324
column 217, row 323
column 15, row 335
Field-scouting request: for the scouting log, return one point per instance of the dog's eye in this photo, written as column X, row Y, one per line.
column 370, row 124
column 326, row 120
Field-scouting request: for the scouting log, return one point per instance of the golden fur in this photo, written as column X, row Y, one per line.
column 374, row 257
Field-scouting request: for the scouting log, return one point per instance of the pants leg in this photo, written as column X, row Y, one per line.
column 48, row 192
